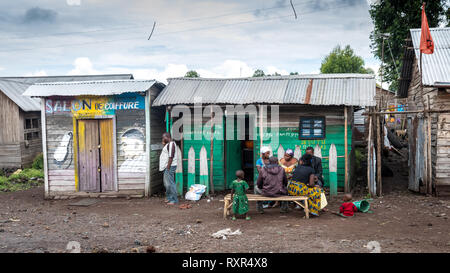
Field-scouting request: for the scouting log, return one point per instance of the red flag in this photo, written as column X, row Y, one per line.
column 426, row 41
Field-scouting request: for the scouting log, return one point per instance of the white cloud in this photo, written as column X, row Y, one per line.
column 272, row 69
column 83, row 66
column 73, row 2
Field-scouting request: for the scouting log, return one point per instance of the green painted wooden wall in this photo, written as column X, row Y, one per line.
column 218, row 153
column 288, row 137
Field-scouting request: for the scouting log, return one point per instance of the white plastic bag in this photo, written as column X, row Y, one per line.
column 195, row 192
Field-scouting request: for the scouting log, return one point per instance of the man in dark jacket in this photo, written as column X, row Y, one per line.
column 272, row 182
column 316, row 164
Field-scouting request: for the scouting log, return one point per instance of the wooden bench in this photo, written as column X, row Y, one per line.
column 256, row 197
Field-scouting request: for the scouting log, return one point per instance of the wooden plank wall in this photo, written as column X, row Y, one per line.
column 10, row 156
column 289, row 117
column 157, row 128
column 418, row 100
column 34, row 147
column 131, row 162
column 61, row 174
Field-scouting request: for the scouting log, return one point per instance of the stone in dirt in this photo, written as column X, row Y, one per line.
column 150, row 249
column 73, row 247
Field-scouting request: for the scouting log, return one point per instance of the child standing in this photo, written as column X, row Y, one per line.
column 347, row 208
column 238, row 196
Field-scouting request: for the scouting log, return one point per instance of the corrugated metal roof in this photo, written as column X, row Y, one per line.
column 14, row 87
column 327, row 89
column 89, row 88
column 436, row 66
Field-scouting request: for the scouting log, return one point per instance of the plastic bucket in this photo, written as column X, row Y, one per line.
column 362, row 205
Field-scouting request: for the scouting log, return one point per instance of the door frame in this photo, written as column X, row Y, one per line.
column 75, row 143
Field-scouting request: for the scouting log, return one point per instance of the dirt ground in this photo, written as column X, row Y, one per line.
column 400, row 222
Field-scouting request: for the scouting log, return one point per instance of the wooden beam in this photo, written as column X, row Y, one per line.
column 346, row 186
column 429, row 161
column 211, row 173
column 369, row 155
column 379, row 180
column 44, row 149
column 261, row 126
column 147, row 146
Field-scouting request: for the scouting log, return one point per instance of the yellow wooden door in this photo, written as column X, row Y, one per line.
column 88, row 156
column 107, row 155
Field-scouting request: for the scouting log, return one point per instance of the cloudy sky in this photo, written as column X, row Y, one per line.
column 218, row 38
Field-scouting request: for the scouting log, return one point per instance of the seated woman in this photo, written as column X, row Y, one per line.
column 272, row 183
column 288, row 163
column 302, row 184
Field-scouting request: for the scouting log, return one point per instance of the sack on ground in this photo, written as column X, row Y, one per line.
column 195, row 192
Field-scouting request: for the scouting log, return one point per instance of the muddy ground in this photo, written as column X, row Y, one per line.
column 400, row 222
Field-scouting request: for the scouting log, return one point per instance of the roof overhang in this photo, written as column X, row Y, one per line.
column 91, row 88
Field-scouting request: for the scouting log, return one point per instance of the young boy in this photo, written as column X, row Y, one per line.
column 347, row 208
column 238, row 196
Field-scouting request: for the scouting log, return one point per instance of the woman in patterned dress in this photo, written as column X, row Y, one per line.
column 302, row 184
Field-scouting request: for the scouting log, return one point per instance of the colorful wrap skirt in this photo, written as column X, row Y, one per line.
column 295, row 188
column 240, row 204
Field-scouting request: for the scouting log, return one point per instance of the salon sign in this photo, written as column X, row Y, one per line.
column 91, row 106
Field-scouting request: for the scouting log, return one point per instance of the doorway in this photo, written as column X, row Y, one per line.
column 96, row 155
column 240, row 152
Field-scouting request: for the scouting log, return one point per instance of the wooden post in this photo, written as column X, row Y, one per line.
column 167, row 119
column 204, row 169
column 211, row 156
column 318, row 151
column 297, row 152
column 191, row 168
column 346, row 187
column 280, row 152
column 430, row 161
column 379, row 180
column 44, row 148
column 333, row 170
column 369, row 153
column 179, row 172
column 147, row 147
column 261, row 131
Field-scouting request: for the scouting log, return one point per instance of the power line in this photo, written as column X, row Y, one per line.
column 150, row 25
column 168, row 33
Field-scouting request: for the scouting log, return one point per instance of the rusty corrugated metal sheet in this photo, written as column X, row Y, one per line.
column 14, row 87
column 436, row 66
column 326, row 89
column 89, row 88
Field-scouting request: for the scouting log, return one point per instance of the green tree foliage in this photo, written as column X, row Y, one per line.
column 258, row 73
column 397, row 17
column 192, row 74
column 343, row 60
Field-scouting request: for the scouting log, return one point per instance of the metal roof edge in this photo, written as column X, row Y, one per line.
column 283, row 77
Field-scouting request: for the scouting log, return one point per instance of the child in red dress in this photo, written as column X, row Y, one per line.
column 347, row 208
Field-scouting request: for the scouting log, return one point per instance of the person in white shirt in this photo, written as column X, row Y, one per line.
column 168, row 164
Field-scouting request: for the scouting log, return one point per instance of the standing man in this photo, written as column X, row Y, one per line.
column 316, row 164
column 168, row 164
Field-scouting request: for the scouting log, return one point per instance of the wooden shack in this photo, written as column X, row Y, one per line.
column 100, row 138
column 290, row 112
column 20, row 117
column 426, row 86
